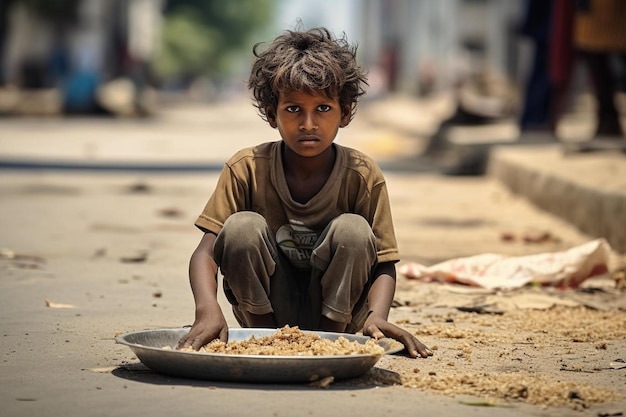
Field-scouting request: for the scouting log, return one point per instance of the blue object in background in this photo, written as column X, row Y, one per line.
column 80, row 92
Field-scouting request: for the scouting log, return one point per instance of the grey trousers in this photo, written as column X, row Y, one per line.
column 259, row 279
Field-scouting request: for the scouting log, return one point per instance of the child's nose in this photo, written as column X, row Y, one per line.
column 308, row 122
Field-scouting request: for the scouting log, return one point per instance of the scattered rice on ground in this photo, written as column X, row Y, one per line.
column 554, row 357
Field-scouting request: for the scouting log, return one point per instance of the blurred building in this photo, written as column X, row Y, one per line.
column 421, row 44
column 75, row 53
column 407, row 45
column 433, row 43
column 470, row 48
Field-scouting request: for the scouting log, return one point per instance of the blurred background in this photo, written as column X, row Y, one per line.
column 514, row 59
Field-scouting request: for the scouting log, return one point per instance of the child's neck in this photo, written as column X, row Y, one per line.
column 303, row 168
column 307, row 176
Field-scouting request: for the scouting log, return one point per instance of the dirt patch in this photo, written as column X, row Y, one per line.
column 557, row 356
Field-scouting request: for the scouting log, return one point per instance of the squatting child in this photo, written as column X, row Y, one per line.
column 300, row 228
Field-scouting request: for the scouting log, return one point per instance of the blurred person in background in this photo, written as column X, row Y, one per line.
column 566, row 33
column 549, row 25
column 600, row 39
column 536, row 25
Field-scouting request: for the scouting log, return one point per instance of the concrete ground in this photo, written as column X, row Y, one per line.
column 92, row 253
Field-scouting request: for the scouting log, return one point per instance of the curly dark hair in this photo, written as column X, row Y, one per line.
column 312, row 60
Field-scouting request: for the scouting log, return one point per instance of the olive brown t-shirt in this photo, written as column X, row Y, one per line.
column 253, row 180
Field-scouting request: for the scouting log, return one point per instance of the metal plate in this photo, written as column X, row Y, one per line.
column 148, row 346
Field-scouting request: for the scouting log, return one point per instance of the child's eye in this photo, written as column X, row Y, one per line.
column 323, row 108
column 292, row 109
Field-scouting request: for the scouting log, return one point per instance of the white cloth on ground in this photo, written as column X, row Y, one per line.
column 567, row 268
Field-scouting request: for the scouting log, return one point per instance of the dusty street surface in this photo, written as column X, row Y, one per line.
column 87, row 256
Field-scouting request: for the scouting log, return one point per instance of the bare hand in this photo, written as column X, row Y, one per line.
column 377, row 328
column 204, row 330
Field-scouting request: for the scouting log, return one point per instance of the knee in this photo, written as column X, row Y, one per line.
column 243, row 228
column 352, row 230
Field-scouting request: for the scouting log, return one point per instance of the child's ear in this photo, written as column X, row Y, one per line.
column 346, row 117
column 270, row 114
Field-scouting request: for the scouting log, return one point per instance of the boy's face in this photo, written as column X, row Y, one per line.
column 308, row 122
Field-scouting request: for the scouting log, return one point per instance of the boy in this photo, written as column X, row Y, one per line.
column 301, row 228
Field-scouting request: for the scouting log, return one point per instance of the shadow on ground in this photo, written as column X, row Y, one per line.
column 137, row 372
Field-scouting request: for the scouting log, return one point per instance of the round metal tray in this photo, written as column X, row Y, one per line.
column 148, row 346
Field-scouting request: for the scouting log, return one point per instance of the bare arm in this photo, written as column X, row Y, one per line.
column 380, row 298
column 209, row 322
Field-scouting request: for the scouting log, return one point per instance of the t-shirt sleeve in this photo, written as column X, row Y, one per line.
column 382, row 224
column 228, row 197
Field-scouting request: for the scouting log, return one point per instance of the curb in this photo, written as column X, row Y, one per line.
column 575, row 188
column 100, row 166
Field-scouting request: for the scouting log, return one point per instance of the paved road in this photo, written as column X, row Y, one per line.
column 108, row 252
